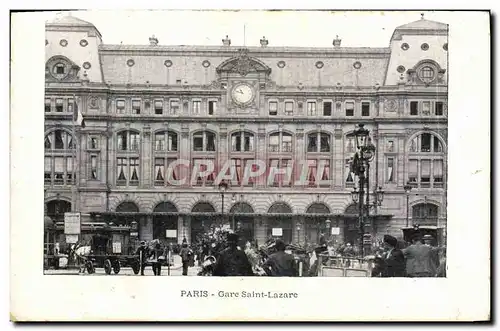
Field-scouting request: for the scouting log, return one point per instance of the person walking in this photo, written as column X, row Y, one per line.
column 157, row 255
column 280, row 263
column 185, row 254
column 394, row 262
column 233, row 261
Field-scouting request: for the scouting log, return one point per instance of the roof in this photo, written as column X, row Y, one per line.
column 423, row 24
column 69, row 20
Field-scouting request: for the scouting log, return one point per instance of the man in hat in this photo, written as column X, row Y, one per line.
column 185, row 254
column 419, row 258
column 280, row 263
column 142, row 253
column 233, row 261
column 394, row 258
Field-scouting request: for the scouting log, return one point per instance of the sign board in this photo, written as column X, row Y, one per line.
column 71, row 238
column 117, row 247
column 278, row 232
column 336, row 231
column 171, row 233
column 134, row 234
column 72, row 223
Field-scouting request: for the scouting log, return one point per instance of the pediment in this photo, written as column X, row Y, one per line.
column 243, row 64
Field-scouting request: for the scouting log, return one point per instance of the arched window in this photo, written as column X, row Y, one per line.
column 283, row 222
column 319, row 169
column 127, row 162
column 242, row 141
column 204, row 141
column 165, row 150
column 58, row 163
column 426, row 161
column 244, row 224
column 315, row 225
column 425, row 214
column 203, row 222
column 165, row 226
column 57, row 208
column 349, row 149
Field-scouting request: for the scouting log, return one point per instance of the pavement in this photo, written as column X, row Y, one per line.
column 174, row 271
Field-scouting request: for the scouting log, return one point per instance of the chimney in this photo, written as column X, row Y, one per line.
column 226, row 41
column 264, row 42
column 337, row 41
column 153, row 41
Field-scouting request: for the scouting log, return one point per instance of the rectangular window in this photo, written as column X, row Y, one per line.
column 365, row 109
column 59, row 105
column 178, row 81
column 312, row 172
column 134, row 141
column 327, row 108
column 160, row 142
column 311, row 108
column 280, row 179
column 60, row 69
column 390, row 146
column 349, row 109
column 158, row 107
column 196, row 107
column 69, row 171
column 324, row 143
column 349, row 180
column 198, row 142
column 412, row 171
column 174, row 107
column 273, row 108
column 122, row 141
column 48, row 170
column 286, row 143
column 438, row 173
column 325, row 175
column 48, row 107
column 94, row 143
column 59, row 170
column 274, row 143
column 425, row 175
column 426, row 108
column 71, row 104
column 134, row 171
column 159, row 174
column 439, row 108
column 251, row 166
column 237, row 170
column 210, row 142
column 425, row 142
column 93, row 167
column 248, row 142
column 212, row 105
column 120, row 106
column 414, row 108
column 288, row 108
column 136, row 107
column 121, row 177
column 312, row 142
column 390, row 170
column 172, row 142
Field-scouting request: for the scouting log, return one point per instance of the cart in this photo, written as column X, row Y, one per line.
column 338, row 266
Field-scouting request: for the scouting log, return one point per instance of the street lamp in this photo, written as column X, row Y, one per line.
column 223, row 186
column 298, row 233
column 407, row 188
column 328, row 224
column 359, row 166
column 233, row 200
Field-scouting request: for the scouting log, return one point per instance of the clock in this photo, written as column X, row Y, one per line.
column 242, row 93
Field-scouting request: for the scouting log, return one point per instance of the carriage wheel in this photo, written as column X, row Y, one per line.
column 107, row 266
column 136, row 268
column 90, row 267
column 116, row 267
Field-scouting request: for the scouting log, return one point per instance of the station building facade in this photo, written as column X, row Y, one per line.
column 149, row 108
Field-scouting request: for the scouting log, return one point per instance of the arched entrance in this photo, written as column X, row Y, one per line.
column 125, row 239
column 244, row 224
column 200, row 224
column 315, row 225
column 162, row 223
column 126, row 207
column 57, row 208
column 284, row 222
column 425, row 214
column 351, row 226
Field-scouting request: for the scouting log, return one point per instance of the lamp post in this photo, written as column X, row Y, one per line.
column 223, row 186
column 407, row 189
column 233, row 200
column 328, row 224
column 359, row 166
column 298, row 233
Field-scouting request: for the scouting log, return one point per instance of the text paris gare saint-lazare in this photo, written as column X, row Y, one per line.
column 239, row 294
column 291, row 172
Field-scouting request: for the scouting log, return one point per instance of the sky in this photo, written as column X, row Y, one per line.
column 281, row 28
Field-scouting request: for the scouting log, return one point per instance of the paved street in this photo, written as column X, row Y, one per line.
column 175, row 271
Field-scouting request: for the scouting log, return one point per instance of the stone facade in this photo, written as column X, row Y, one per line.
column 129, row 95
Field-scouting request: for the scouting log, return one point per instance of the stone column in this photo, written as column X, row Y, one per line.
column 299, row 161
column 261, row 155
column 338, row 159
column 222, row 148
column 184, row 154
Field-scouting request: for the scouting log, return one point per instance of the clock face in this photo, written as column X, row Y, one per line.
column 242, row 93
